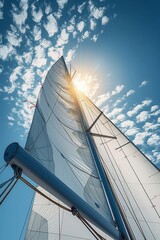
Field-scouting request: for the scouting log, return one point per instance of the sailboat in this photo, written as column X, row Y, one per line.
column 93, row 182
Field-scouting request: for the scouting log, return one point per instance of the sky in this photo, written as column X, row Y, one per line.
column 114, row 48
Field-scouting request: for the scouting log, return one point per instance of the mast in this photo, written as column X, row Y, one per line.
column 107, row 187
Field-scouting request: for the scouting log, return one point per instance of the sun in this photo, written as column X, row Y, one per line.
column 81, row 84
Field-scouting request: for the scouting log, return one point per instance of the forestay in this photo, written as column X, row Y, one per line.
column 135, row 180
column 58, row 141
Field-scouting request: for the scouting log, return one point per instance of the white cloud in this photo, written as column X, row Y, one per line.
column 92, row 24
column 70, row 55
column 144, row 83
column 140, row 138
column 154, row 140
column 61, row 3
column 28, row 78
column 143, row 116
column 13, row 77
column 45, row 43
column 114, row 112
column 13, row 38
column 130, row 92
column 40, row 59
column 20, row 16
column 85, row 35
column 81, row 7
column 62, row 38
column 55, row 53
column 150, row 126
column 104, row 97
column 95, row 37
column 6, row 51
column 158, row 120
column 36, row 33
column 37, row 15
column 51, row 26
column 70, row 28
column 105, row 20
column 127, row 124
column 153, row 108
column 27, row 57
column 155, row 113
column 80, row 26
column 131, row 132
column 121, row 117
column 1, row 9
column 96, row 12
column 138, row 107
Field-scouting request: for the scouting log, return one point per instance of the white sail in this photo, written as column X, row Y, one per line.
column 50, row 222
column 135, row 180
column 58, row 141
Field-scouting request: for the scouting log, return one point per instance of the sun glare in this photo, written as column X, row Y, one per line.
column 81, row 84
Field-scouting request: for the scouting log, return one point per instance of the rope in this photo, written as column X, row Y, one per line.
column 89, row 227
column 3, row 167
column 9, row 189
column 44, row 195
column 73, row 210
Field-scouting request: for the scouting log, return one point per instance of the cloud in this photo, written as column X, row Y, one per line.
column 61, row 3
column 62, row 38
column 6, row 51
column 132, row 131
column 81, row 7
column 140, row 138
column 144, row 83
column 130, row 92
column 143, row 116
column 150, row 126
column 154, row 140
column 105, row 20
column 40, row 57
column 13, row 37
column 95, row 37
column 36, row 33
column 28, row 78
column 85, row 35
column 121, row 117
column 55, row 53
column 20, row 15
column 92, row 24
column 80, row 26
column 37, row 15
column 51, row 25
column 1, row 9
column 96, row 12
column 70, row 55
column 104, row 97
column 135, row 110
column 127, row 124
column 13, row 79
column 114, row 112
column 153, row 108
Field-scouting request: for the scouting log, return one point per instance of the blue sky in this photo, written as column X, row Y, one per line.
column 114, row 48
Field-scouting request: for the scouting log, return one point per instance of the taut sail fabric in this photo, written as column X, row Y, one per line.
column 135, row 180
column 58, row 141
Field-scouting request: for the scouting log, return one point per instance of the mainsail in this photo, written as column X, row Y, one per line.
column 58, row 141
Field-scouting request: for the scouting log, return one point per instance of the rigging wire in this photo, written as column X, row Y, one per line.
column 73, row 210
column 15, row 177
column 3, row 167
